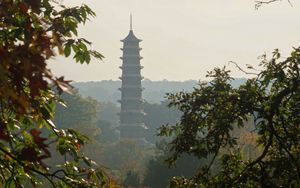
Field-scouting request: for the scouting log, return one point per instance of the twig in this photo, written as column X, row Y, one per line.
column 257, row 160
column 260, row 3
column 252, row 73
column 44, row 174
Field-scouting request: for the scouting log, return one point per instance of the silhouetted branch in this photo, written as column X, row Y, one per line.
column 48, row 176
column 252, row 73
column 260, row 3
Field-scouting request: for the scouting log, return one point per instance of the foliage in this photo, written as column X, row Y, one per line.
column 156, row 115
column 214, row 109
column 132, row 179
column 109, row 113
column 125, row 155
column 87, row 116
column 109, row 134
column 158, row 173
column 78, row 113
column 32, row 32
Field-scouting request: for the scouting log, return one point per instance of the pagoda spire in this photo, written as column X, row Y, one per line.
column 130, row 22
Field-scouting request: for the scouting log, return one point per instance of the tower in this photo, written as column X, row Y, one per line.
column 131, row 116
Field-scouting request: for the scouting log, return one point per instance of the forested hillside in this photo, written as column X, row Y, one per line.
column 155, row 91
column 123, row 159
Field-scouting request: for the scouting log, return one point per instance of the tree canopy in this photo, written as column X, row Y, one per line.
column 31, row 33
column 213, row 110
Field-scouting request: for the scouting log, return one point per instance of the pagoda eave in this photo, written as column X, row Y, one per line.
column 125, row 66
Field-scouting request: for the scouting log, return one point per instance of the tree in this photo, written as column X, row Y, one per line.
column 132, row 179
column 156, row 115
column 32, row 32
column 214, row 109
column 125, row 155
column 79, row 113
column 158, row 173
column 109, row 113
column 109, row 134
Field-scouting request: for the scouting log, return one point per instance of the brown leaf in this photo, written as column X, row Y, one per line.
column 40, row 141
column 77, row 145
column 3, row 132
column 35, row 5
column 24, row 7
column 29, row 154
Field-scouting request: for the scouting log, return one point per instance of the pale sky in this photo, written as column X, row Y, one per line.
column 183, row 39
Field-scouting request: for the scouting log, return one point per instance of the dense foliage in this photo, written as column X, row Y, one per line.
column 32, row 32
column 158, row 173
column 214, row 109
column 78, row 113
column 157, row 115
column 132, row 180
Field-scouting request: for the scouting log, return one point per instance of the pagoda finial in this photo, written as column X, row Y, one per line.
column 130, row 22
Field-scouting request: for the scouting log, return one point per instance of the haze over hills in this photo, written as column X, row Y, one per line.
column 155, row 91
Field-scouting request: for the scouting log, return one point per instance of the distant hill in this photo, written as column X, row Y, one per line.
column 155, row 91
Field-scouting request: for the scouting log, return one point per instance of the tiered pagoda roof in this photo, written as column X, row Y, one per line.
column 131, row 116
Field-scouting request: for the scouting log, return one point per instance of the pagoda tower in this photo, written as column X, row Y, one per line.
column 131, row 116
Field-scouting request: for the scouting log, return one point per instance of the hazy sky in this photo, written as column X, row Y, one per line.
column 183, row 39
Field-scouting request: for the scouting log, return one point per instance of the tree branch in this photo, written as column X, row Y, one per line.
column 257, row 160
column 252, row 73
column 258, row 4
column 46, row 175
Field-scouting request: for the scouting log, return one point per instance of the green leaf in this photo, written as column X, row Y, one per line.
column 67, row 50
column 82, row 46
column 10, row 183
column 46, row 113
column 87, row 161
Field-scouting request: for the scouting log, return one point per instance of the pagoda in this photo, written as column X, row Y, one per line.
column 132, row 115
